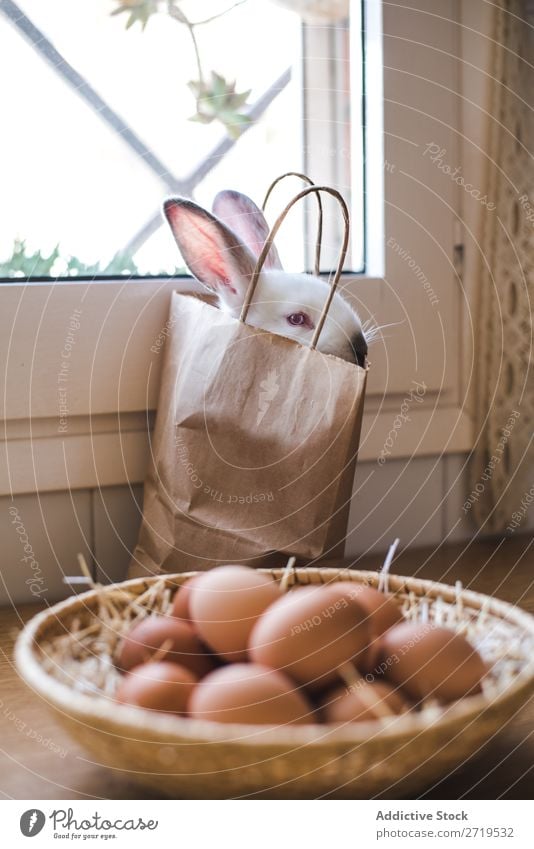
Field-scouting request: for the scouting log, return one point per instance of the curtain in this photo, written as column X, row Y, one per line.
column 501, row 470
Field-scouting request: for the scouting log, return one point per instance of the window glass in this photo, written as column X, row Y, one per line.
column 83, row 182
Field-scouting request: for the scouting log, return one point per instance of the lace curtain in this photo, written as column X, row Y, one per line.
column 502, row 473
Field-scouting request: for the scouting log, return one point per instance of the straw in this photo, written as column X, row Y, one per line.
column 288, row 574
column 384, row 572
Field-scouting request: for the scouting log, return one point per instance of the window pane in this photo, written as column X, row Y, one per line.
column 333, row 129
column 70, row 179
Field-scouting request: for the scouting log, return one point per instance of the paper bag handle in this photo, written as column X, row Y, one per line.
column 270, row 239
column 319, row 239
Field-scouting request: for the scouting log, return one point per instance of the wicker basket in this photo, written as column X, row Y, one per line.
column 64, row 656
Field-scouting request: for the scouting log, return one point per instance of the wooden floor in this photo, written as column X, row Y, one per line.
column 39, row 761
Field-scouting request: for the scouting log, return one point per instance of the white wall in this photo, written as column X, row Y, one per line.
column 406, row 498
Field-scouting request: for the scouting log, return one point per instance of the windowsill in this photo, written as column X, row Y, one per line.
column 113, row 378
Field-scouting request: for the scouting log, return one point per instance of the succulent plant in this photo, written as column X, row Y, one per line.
column 218, row 100
column 24, row 263
column 138, row 10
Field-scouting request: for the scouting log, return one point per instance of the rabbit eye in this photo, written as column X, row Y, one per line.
column 300, row 319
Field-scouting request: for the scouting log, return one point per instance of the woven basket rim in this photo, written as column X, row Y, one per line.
column 165, row 728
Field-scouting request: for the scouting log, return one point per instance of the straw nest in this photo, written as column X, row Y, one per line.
column 66, row 655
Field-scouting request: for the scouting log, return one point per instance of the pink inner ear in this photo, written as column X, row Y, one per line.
column 242, row 216
column 202, row 248
column 213, row 258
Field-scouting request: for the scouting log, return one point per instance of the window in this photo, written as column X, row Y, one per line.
column 100, row 130
column 405, row 210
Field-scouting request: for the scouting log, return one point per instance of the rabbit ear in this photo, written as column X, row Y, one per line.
column 241, row 214
column 213, row 253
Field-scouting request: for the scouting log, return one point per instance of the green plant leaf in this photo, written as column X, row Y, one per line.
column 239, row 100
column 176, row 12
column 138, row 10
column 219, row 86
column 218, row 100
column 216, row 97
column 201, row 118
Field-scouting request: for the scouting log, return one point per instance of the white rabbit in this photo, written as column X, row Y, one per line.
column 221, row 249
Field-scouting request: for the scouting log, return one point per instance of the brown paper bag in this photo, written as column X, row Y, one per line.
column 254, row 448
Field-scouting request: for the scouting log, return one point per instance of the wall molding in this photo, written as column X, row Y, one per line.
column 111, row 450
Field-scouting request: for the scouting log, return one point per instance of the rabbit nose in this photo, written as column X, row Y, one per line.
column 359, row 348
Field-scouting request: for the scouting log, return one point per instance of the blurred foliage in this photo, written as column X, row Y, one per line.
column 26, row 264
column 216, row 97
column 137, row 10
column 219, row 101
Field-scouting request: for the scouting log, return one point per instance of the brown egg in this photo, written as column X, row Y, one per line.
column 157, row 686
column 252, row 694
column 225, row 604
column 310, row 633
column 180, row 604
column 369, row 660
column 362, row 702
column 149, row 635
column 384, row 613
column 381, row 613
column 431, row 662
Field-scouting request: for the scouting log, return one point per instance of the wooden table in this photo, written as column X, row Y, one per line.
column 39, row 761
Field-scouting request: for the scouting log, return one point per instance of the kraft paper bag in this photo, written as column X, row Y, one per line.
column 254, row 450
